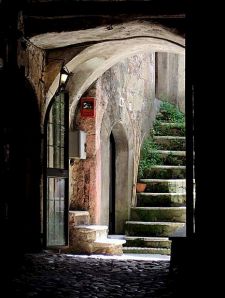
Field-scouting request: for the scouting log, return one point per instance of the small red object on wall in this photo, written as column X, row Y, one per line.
column 87, row 108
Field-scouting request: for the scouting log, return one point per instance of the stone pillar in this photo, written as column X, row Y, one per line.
column 150, row 77
column 161, row 69
column 172, row 71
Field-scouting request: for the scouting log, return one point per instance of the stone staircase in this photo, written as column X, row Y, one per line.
column 160, row 210
column 90, row 239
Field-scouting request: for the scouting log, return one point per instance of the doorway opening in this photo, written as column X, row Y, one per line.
column 112, row 189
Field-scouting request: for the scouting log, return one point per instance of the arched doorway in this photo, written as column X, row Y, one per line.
column 112, row 185
column 115, row 194
column 56, row 174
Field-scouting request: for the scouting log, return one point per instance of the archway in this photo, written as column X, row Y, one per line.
column 106, row 50
column 92, row 62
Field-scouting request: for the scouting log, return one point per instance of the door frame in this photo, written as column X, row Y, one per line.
column 56, row 172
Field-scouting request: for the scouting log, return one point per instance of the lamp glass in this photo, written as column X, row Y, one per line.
column 63, row 78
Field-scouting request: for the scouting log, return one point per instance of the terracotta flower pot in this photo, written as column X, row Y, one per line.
column 140, row 187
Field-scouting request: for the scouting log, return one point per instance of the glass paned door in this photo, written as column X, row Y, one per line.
column 56, row 182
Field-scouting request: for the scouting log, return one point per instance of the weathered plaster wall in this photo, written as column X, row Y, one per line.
column 125, row 105
column 128, row 93
column 129, row 87
column 170, row 81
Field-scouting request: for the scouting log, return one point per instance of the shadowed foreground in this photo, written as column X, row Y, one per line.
column 59, row 275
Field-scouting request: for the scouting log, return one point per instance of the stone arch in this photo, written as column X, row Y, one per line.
column 94, row 60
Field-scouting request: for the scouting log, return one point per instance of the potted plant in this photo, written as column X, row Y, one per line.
column 141, row 186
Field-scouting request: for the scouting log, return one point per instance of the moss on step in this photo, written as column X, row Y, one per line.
column 144, row 242
column 151, row 229
column 166, row 173
column 164, row 200
column 168, row 129
column 173, row 159
column 142, row 250
column 165, row 186
column 169, row 143
column 164, row 214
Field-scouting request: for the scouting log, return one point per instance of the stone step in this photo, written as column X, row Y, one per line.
column 166, row 172
column 108, row 246
column 163, row 115
column 169, row 129
column 101, row 231
column 170, row 142
column 79, row 217
column 165, row 185
column 171, row 157
column 146, row 250
column 151, row 229
column 162, row 214
column 92, row 239
column 153, row 242
column 146, row 199
column 115, row 236
column 87, row 233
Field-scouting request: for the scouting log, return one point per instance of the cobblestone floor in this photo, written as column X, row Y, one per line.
column 58, row 275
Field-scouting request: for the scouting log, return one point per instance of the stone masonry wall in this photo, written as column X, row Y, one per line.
column 83, row 172
column 33, row 60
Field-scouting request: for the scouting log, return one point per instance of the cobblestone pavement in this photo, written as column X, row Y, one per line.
column 58, row 275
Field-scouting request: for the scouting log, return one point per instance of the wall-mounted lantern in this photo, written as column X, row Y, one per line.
column 88, row 107
column 63, row 78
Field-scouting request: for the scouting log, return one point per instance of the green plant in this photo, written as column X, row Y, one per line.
column 148, row 157
column 162, row 130
column 169, row 112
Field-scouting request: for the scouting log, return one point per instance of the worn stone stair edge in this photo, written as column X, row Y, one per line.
column 147, row 238
column 114, row 236
column 109, row 241
column 162, row 193
column 154, row 223
column 163, row 180
column 169, row 137
column 159, row 208
column 168, row 167
column 172, row 124
column 92, row 227
column 144, row 248
column 172, row 152
column 79, row 213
